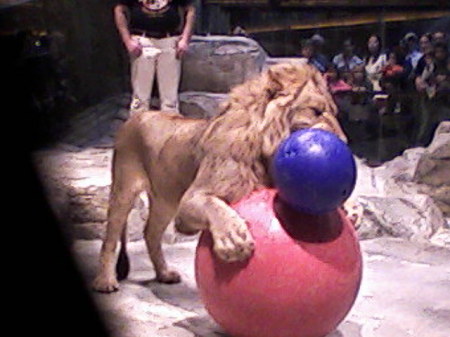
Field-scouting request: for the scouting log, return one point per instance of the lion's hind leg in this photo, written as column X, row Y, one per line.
column 160, row 215
column 128, row 181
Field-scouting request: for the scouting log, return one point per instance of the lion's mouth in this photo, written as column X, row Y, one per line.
column 300, row 126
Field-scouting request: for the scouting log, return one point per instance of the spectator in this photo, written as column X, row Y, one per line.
column 410, row 45
column 393, row 67
column 306, row 50
column 335, row 84
column 426, row 48
column 440, row 57
column 341, row 92
column 433, row 77
column 443, row 85
column 423, row 81
column 318, row 59
column 440, row 37
column 375, row 62
column 441, row 72
column 392, row 81
column 434, row 88
column 360, row 83
column 347, row 60
column 358, row 110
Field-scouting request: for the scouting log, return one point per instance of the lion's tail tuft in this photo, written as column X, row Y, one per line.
column 123, row 262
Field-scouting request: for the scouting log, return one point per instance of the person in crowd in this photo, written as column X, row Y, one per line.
column 375, row 62
column 318, row 59
column 435, row 71
column 426, row 48
column 346, row 60
column 336, row 84
column 156, row 34
column 441, row 70
column 309, row 51
column 393, row 80
column 433, row 86
column 306, row 49
column 424, row 81
column 413, row 55
column 361, row 86
column 360, row 109
column 441, row 55
column 394, row 67
column 440, row 37
column 443, row 85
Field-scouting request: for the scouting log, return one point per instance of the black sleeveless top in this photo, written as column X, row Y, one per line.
column 155, row 16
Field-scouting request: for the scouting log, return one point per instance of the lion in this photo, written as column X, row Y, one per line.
column 192, row 169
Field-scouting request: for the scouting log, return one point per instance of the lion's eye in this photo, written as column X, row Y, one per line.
column 317, row 111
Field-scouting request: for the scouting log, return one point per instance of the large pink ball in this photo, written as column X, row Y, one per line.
column 301, row 281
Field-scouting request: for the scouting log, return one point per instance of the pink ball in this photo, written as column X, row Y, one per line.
column 301, row 281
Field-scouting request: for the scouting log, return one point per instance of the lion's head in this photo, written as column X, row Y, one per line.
column 262, row 112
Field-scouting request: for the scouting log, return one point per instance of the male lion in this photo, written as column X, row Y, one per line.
column 193, row 169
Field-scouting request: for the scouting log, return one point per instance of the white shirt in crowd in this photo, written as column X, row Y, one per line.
column 374, row 67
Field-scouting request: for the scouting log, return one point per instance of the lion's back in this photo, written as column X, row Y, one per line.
column 164, row 145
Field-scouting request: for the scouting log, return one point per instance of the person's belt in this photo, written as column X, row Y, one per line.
column 155, row 35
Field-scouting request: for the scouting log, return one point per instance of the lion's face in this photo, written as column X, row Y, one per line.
column 264, row 111
column 314, row 108
column 302, row 96
column 300, row 100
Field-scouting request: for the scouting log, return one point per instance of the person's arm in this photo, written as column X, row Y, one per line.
column 189, row 20
column 121, row 20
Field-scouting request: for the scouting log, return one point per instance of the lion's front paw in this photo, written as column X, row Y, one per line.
column 105, row 284
column 354, row 211
column 233, row 243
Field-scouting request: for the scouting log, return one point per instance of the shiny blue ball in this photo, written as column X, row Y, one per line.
column 314, row 171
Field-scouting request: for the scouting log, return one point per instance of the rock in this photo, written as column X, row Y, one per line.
column 103, row 119
column 78, row 187
column 414, row 217
column 87, row 204
column 434, row 166
column 270, row 61
column 217, row 63
column 367, row 182
column 442, row 237
column 403, row 183
column 433, row 169
column 196, row 104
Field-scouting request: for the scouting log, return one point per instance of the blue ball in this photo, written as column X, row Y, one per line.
column 314, row 171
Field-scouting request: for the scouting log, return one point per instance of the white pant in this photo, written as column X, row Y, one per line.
column 158, row 56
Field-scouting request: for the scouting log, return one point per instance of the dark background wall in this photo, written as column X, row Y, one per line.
column 96, row 63
column 79, row 34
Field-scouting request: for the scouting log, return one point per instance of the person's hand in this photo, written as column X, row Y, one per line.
column 134, row 48
column 440, row 78
column 182, row 47
column 420, row 85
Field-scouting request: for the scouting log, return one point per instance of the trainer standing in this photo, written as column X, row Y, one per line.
column 156, row 34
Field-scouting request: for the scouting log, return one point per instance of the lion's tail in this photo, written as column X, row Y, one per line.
column 123, row 262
